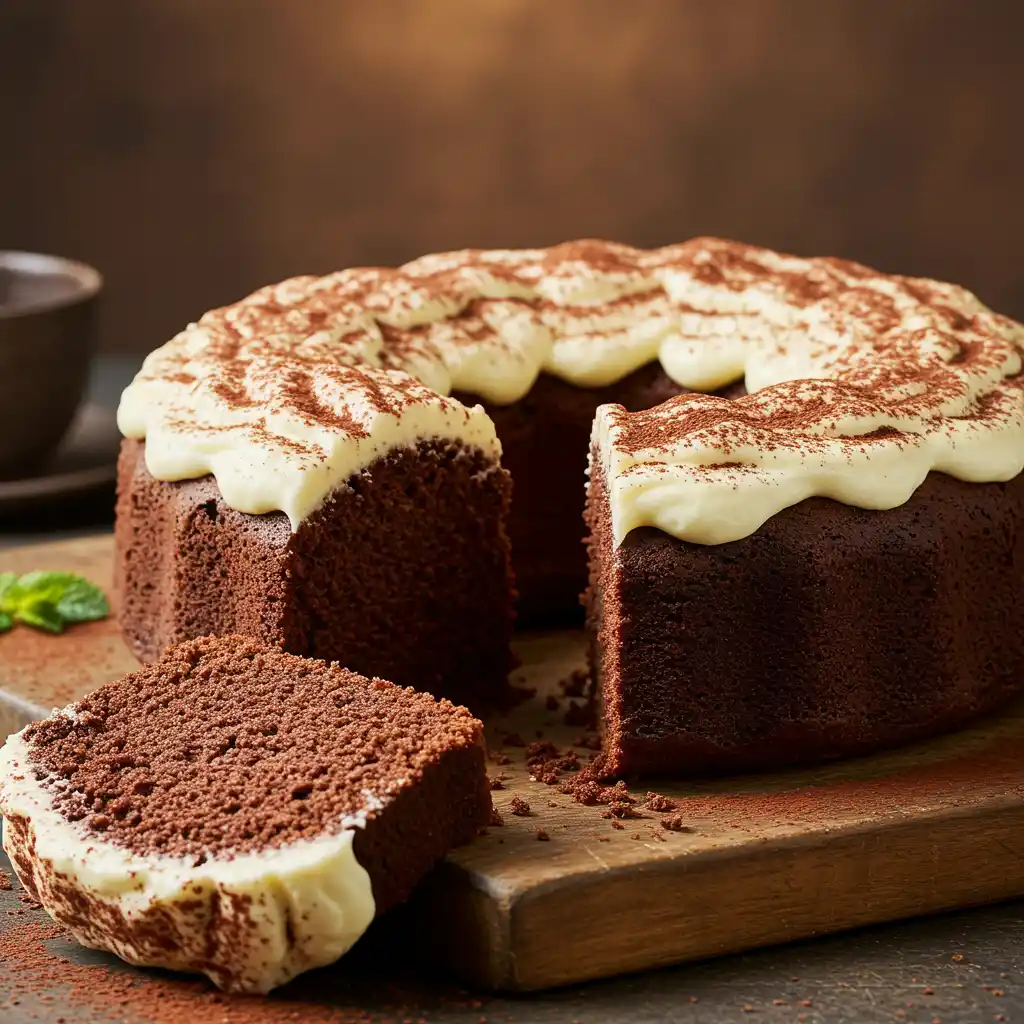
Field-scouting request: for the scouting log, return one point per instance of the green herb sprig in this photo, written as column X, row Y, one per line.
column 49, row 600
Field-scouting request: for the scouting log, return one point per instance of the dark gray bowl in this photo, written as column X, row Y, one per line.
column 47, row 335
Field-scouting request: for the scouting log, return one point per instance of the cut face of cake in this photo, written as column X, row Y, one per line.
column 392, row 541
column 237, row 811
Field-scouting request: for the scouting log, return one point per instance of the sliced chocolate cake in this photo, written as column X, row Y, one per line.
column 238, row 811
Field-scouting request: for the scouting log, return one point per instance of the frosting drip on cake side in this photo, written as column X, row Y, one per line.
column 863, row 381
column 250, row 921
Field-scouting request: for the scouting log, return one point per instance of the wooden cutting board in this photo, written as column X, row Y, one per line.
column 768, row 858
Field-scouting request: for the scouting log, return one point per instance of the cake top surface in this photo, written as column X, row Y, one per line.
column 226, row 747
column 288, row 392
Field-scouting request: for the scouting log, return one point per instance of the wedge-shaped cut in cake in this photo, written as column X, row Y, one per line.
column 238, row 811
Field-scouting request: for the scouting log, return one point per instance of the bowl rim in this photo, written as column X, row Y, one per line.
column 88, row 279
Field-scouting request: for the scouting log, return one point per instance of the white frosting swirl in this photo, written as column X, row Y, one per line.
column 285, row 395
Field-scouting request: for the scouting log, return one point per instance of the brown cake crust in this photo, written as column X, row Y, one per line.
column 545, row 437
column 829, row 632
column 411, row 553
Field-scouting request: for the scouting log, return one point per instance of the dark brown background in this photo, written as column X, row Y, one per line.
column 194, row 149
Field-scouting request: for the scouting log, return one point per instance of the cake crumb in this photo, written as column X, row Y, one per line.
column 659, row 803
column 618, row 825
column 603, row 839
column 542, row 835
column 496, row 783
column 957, row 956
column 519, row 807
column 675, row 823
column 496, row 818
column 499, row 758
column 5, row 882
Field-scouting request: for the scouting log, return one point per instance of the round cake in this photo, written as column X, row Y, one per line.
column 238, row 811
column 733, row 400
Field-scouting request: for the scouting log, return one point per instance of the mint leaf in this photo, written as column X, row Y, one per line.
column 42, row 615
column 49, row 600
column 82, row 601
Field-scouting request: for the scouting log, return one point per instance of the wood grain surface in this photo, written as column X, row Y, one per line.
column 765, row 859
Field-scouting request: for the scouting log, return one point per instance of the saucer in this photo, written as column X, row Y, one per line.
column 85, row 461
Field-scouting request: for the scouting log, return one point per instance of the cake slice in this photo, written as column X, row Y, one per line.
column 238, row 811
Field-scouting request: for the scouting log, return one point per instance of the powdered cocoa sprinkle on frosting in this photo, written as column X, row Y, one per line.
column 860, row 382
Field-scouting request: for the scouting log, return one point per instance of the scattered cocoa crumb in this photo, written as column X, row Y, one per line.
column 747, row 1008
column 692, row 999
column 998, row 992
column 552, row 703
column 659, row 803
column 675, row 823
column 575, row 685
column 497, row 784
column 929, row 992
column 636, row 835
column 552, row 803
column 499, row 758
column 619, row 809
column 496, row 818
column 5, row 882
column 513, row 739
column 542, row 835
column 618, row 825
column 805, row 1002
column 957, row 956
column 519, row 807
column 603, row 839
column 780, row 1002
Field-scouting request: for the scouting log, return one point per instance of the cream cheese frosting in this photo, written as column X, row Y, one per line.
column 861, row 382
column 278, row 911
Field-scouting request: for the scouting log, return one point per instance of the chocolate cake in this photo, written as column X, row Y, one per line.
column 238, row 811
column 272, row 446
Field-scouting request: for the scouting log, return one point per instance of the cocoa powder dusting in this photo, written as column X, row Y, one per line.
column 32, row 969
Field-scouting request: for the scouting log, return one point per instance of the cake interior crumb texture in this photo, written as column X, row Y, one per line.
column 829, row 632
column 404, row 573
column 226, row 747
